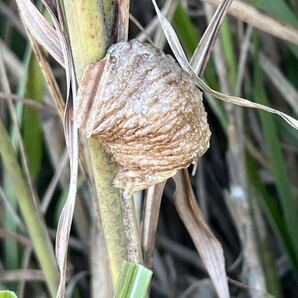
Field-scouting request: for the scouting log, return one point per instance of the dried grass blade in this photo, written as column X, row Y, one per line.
column 72, row 144
column 244, row 102
column 64, row 225
column 40, row 29
column 49, row 76
column 150, row 220
column 207, row 245
column 181, row 57
column 172, row 40
column 201, row 55
column 249, row 14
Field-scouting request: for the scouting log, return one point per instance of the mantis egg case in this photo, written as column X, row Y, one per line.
column 146, row 111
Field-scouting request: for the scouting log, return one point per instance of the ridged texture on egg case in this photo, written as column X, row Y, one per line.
column 147, row 112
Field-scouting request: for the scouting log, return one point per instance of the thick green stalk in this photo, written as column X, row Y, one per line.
column 89, row 23
column 109, row 207
column 31, row 214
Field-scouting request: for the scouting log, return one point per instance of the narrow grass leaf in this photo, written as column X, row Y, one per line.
column 150, row 220
column 40, row 29
column 31, row 121
column 272, row 210
column 279, row 9
column 278, row 164
column 207, row 245
column 133, row 282
column 188, row 34
column 72, row 144
column 201, row 55
column 289, row 135
column 180, row 56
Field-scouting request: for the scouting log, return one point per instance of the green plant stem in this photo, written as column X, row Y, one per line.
column 89, row 24
column 109, row 203
column 87, row 21
column 31, row 214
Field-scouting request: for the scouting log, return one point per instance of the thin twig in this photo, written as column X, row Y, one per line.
column 54, row 182
column 23, row 274
column 27, row 101
column 19, row 238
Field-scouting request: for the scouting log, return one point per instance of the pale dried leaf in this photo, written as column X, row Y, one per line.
column 72, row 144
column 201, row 55
column 173, row 40
column 150, row 220
column 56, row 43
column 40, row 29
column 244, row 102
column 64, row 226
column 207, row 245
column 181, row 57
column 247, row 13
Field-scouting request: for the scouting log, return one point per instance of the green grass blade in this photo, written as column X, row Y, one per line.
column 277, row 161
column 278, row 9
column 7, row 294
column 289, row 135
column 11, row 246
column 187, row 33
column 271, row 209
column 31, row 214
column 31, row 121
column 229, row 52
column 133, row 282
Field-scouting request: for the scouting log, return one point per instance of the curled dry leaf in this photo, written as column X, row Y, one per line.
column 40, row 28
column 207, row 245
column 147, row 112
